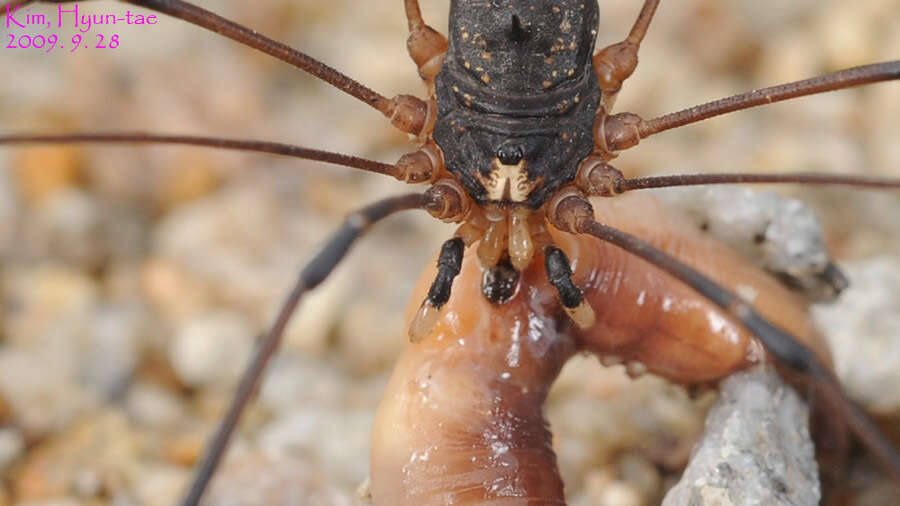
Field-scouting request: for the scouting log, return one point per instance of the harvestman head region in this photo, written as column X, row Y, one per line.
column 174, row 257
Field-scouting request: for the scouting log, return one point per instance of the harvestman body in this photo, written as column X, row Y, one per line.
column 515, row 136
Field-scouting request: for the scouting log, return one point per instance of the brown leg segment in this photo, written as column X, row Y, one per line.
column 615, row 63
column 426, row 46
column 618, row 132
column 275, row 148
column 407, row 113
column 624, row 130
column 598, row 178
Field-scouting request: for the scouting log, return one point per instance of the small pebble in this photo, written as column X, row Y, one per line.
column 863, row 331
column 212, row 350
column 335, row 437
column 43, row 399
column 186, row 450
column 619, row 494
column 44, row 170
column 155, row 407
column 160, row 485
column 12, row 445
column 97, row 453
column 294, row 380
column 113, row 350
column 275, row 480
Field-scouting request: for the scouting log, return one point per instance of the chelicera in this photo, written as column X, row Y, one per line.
column 516, row 134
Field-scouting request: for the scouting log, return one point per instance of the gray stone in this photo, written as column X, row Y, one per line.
column 862, row 329
column 112, row 348
column 211, row 350
column 779, row 234
column 293, row 380
column 12, row 444
column 43, row 395
column 335, row 437
column 756, row 449
column 153, row 406
column 274, row 479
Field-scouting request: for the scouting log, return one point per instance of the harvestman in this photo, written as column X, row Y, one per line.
column 506, row 203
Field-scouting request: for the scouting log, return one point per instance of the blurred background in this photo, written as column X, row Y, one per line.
column 133, row 281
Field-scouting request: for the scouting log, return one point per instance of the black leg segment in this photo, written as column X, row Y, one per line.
column 559, row 271
column 449, row 264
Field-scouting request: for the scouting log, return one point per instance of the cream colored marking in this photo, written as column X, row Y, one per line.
column 507, row 182
column 424, row 322
column 583, row 315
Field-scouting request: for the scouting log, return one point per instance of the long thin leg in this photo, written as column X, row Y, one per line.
column 574, row 214
column 314, row 273
column 600, row 179
column 841, row 79
column 640, row 183
column 622, row 131
column 275, row 148
column 395, row 108
column 641, row 24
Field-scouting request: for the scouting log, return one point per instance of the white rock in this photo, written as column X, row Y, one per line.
column 335, row 437
column 212, row 350
column 778, row 234
column 113, row 348
column 154, row 406
column 756, row 448
column 292, row 380
column 863, row 331
column 160, row 485
column 44, row 398
column 12, row 444
column 66, row 224
column 275, row 480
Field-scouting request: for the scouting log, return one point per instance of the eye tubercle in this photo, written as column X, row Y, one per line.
column 510, row 153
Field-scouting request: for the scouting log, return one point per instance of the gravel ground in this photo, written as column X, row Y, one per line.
column 133, row 280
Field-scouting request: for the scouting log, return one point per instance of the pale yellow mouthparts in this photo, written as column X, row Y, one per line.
column 508, row 183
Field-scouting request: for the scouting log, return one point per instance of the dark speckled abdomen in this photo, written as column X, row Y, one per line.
column 518, row 76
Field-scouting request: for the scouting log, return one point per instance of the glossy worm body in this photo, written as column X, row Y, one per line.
column 462, row 422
